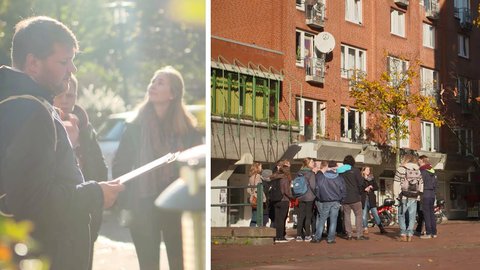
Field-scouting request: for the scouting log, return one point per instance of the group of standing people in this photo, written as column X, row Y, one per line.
column 334, row 192
column 52, row 171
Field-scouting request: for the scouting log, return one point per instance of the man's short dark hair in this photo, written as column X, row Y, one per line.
column 424, row 158
column 37, row 35
column 349, row 160
column 332, row 164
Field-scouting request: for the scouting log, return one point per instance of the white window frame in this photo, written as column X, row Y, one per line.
column 359, row 61
column 301, row 5
column 429, row 82
column 397, row 22
column 404, row 143
column 428, row 36
column 430, row 137
column 465, row 135
column 304, row 36
column 360, row 123
column 463, row 46
column 353, row 11
column 318, row 116
column 394, row 65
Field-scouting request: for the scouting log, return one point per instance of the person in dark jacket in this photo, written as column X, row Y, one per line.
column 38, row 169
column 305, row 205
column 83, row 137
column 369, row 200
column 331, row 192
column 162, row 126
column 281, row 207
column 428, row 197
column 353, row 200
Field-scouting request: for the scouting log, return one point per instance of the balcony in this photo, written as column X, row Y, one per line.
column 432, row 10
column 315, row 15
column 402, row 3
column 465, row 17
column 314, row 69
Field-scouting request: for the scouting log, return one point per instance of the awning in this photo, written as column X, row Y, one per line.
column 326, row 150
column 437, row 160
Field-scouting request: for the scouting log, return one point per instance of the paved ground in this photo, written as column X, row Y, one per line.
column 457, row 247
column 114, row 249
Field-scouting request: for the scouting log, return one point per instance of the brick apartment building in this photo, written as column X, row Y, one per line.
column 275, row 94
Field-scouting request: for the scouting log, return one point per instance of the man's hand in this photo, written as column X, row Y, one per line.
column 110, row 192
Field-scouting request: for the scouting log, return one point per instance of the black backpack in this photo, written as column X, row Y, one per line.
column 275, row 191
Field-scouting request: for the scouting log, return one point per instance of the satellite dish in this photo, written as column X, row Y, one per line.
column 324, row 42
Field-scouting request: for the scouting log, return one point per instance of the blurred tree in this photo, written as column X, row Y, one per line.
column 123, row 56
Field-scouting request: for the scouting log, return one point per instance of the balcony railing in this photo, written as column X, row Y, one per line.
column 403, row 3
column 314, row 69
column 315, row 15
column 432, row 10
column 465, row 17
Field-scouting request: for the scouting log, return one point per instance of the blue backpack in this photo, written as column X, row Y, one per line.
column 299, row 187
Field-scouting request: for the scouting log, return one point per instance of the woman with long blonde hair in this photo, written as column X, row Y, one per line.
column 163, row 125
column 254, row 180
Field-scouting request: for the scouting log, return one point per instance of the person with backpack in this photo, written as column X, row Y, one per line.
column 409, row 178
column 254, row 180
column 306, row 178
column 428, row 197
column 353, row 201
column 280, row 195
column 330, row 191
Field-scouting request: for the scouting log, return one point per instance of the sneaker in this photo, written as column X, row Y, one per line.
column 289, row 238
column 417, row 233
column 402, row 238
column 365, row 231
column 299, row 239
column 331, row 242
column 314, row 241
column 426, row 236
column 409, row 238
column 434, row 236
column 281, row 240
column 362, row 238
column 308, row 238
column 349, row 237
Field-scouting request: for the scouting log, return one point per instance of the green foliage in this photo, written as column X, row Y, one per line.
column 16, row 246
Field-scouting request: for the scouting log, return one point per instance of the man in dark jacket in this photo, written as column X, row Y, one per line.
column 330, row 188
column 38, row 169
column 428, row 197
column 353, row 200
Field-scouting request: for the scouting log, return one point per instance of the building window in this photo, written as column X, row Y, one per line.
column 247, row 96
column 397, row 70
column 430, row 137
column 352, row 124
column 311, row 117
column 464, row 94
column 397, row 22
column 353, row 11
column 463, row 46
column 304, row 47
column 404, row 142
column 300, row 4
column 429, row 82
column 352, row 60
column 465, row 141
column 462, row 10
column 428, row 36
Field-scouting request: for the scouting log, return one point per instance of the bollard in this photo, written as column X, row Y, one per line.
column 260, row 205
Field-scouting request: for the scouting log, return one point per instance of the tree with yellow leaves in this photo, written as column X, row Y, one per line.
column 391, row 99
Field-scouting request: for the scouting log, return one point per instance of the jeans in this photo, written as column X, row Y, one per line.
column 253, row 221
column 374, row 212
column 429, row 216
column 305, row 211
column 357, row 210
column 325, row 210
column 281, row 212
column 408, row 205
